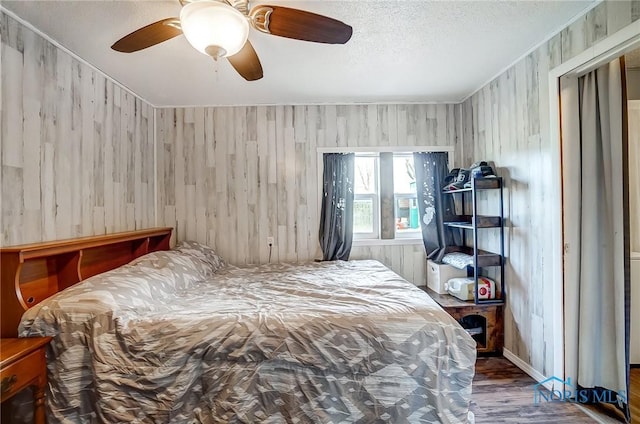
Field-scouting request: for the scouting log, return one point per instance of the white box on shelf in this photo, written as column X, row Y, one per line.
column 439, row 274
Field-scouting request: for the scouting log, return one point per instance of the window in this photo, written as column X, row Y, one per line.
column 368, row 208
column 405, row 196
column 385, row 199
column 366, row 212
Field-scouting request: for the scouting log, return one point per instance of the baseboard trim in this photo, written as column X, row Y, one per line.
column 597, row 417
column 539, row 377
column 533, row 373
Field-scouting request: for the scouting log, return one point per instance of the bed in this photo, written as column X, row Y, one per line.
column 180, row 336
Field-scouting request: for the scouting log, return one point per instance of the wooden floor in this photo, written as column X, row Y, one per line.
column 608, row 414
column 502, row 393
column 634, row 396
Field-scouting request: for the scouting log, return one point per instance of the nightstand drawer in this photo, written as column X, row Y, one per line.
column 20, row 374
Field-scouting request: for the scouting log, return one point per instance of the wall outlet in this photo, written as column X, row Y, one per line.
column 270, row 240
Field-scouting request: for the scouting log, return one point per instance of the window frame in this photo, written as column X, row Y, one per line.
column 375, row 197
column 375, row 234
column 412, row 232
column 413, row 237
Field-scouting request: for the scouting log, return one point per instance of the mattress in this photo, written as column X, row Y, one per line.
column 178, row 337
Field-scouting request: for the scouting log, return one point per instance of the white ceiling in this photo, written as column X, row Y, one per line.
column 401, row 51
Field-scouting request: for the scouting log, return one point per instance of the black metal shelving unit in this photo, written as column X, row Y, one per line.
column 477, row 223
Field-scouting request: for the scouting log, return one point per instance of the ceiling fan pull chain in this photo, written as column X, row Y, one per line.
column 215, row 69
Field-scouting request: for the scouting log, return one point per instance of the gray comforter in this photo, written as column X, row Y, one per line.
column 179, row 337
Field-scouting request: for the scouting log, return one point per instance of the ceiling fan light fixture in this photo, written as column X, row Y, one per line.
column 213, row 28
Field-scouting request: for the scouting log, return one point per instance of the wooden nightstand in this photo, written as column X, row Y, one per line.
column 483, row 322
column 23, row 364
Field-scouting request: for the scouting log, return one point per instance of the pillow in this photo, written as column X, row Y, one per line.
column 202, row 252
column 171, row 270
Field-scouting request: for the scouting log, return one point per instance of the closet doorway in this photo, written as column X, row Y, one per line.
column 601, row 233
column 632, row 60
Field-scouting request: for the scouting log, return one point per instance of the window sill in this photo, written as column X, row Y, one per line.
column 386, row 242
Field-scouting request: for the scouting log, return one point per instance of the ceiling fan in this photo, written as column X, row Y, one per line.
column 220, row 28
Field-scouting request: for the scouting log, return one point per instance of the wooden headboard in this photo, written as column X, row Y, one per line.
column 32, row 272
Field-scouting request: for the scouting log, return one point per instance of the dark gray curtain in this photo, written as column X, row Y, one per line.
column 336, row 216
column 603, row 337
column 597, row 284
column 431, row 170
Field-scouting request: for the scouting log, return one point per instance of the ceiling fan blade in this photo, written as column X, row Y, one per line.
column 246, row 62
column 300, row 25
column 148, row 36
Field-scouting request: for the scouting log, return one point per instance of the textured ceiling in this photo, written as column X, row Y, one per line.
column 401, row 51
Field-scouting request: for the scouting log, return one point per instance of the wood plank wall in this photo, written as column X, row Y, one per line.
column 77, row 150
column 232, row 176
column 507, row 121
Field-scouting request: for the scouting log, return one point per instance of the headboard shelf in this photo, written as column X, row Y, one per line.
column 32, row 272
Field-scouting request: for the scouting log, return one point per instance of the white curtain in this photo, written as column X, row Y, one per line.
column 596, row 243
